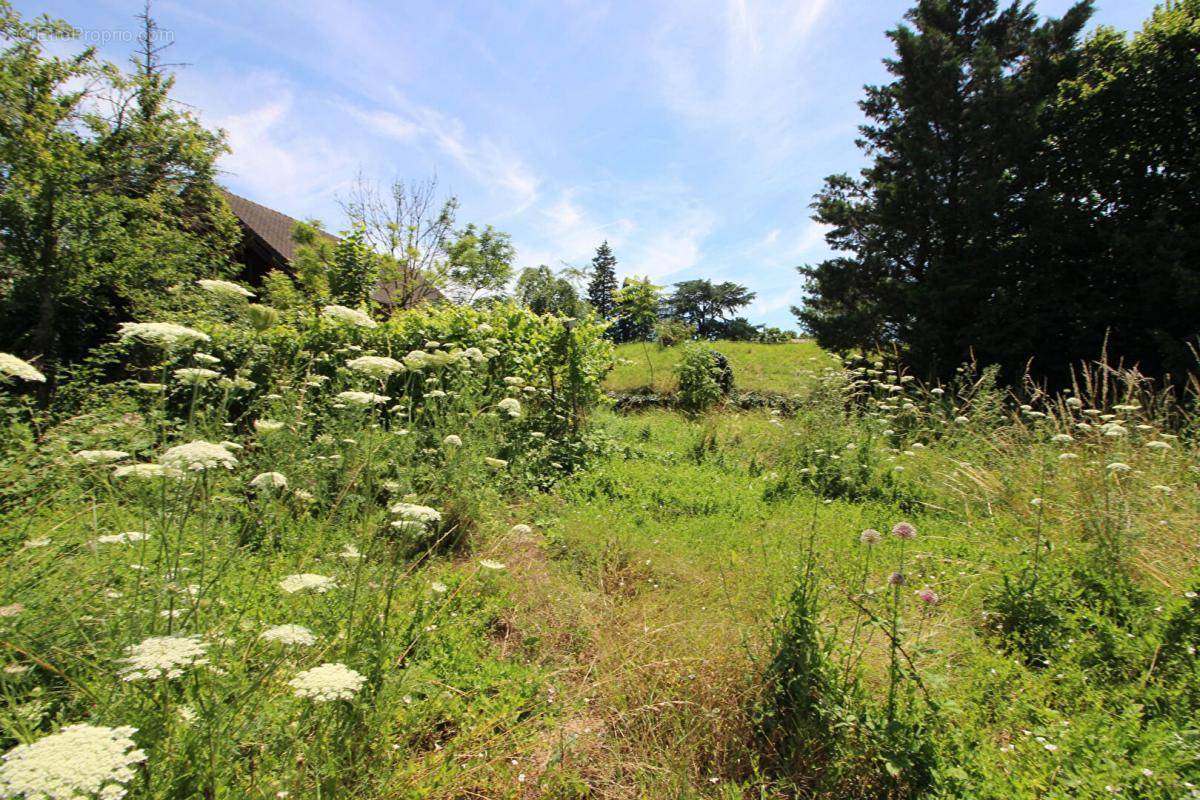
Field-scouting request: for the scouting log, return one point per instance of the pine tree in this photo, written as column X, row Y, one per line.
column 604, row 282
column 935, row 231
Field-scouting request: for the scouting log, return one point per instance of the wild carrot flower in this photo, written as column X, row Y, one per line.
column 416, row 513
column 452, row 441
column 1117, row 466
column 870, row 536
column 146, row 471
column 348, row 315
column 100, row 456
column 362, row 398
column 80, row 761
column 307, row 582
column 196, row 376
column 128, row 537
column 520, row 529
column 198, row 456
column 289, row 635
column 498, row 463
column 225, row 289
column 1062, row 438
column 268, row 481
column 491, row 564
column 438, row 587
column 510, row 406
column 375, row 366
column 1156, row 445
column 327, row 682
column 904, row 530
column 163, row 334
column 162, row 657
column 13, row 367
column 267, row 426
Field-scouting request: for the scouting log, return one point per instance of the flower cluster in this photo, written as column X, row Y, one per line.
column 327, row 682
column 510, row 406
column 163, row 334
column 289, row 635
column 225, row 289
column 80, row 761
column 162, row 657
column 349, row 315
column 362, row 398
column 198, row 456
column 101, row 456
column 13, row 367
column 375, row 366
column 307, row 582
column 268, row 481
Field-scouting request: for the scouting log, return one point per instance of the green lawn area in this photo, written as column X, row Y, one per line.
column 786, row 368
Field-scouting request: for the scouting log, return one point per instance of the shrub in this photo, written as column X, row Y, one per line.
column 673, row 332
column 698, row 373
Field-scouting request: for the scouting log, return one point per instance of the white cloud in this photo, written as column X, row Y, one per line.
column 738, row 69
column 673, row 248
column 497, row 169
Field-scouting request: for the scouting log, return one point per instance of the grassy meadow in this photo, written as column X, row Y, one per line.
column 456, row 591
column 779, row 368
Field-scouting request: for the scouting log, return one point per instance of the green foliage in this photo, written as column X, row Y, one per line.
column 354, row 273
column 108, row 201
column 698, row 374
column 636, row 304
column 479, row 261
column 603, row 284
column 672, row 333
column 705, row 306
column 543, row 292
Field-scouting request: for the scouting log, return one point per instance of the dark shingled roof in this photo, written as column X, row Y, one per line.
column 274, row 228
column 270, row 229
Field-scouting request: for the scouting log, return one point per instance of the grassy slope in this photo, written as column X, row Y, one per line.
column 659, row 573
column 756, row 367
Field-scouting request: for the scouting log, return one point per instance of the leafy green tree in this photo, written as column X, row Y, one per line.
column 479, row 261
column 706, row 306
column 354, row 274
column 603, row 284
column 107, row 199
column 543, row 292
column 936, row 230
column 636, row 307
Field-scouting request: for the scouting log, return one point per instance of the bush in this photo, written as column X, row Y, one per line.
column 673, row 332
column 699, row 375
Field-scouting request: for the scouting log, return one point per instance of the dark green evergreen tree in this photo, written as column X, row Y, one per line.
column 936, row 231
column 603, row 284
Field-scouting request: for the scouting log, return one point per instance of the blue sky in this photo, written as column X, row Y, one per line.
column 692, row 135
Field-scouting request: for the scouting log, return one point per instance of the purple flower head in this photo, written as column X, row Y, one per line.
column 870, row 536
column 896, row 579
column 904, row 530
column 929, row 596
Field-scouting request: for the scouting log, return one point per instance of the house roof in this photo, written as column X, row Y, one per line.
column 274, row 228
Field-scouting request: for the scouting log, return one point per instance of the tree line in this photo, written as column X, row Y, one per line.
column 1031, row 198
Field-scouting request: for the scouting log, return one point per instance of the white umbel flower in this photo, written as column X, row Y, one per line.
column 13, row 367
column 452, row 441
column 363, row 398
column 225, row 289
column 78, row 762
column 416, row 513
column 267, row 426
column 196, row 376
column 492, row 564
column 164, row 334
column 327, row 682
column 375, row 366
column 520, row 529
column 198, row 456
column 162, row 657
column 349, row 315
column 510, row 406
column 307, row 582
column 146, row 471
column 289, row 635
column 268, row 481
column 100, row 456
column 128, row 537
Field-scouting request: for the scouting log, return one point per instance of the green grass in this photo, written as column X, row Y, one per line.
column 629, row 643
column 785, row 368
